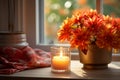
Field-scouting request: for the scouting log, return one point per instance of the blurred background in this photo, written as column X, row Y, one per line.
column 56, row 11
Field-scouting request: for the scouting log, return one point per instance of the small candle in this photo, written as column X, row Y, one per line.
column 60, row 59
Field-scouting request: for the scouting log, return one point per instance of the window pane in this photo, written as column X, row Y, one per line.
column 58, row 10
column 112, row 7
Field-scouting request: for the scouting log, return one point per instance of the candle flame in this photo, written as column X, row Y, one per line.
column 61, row 51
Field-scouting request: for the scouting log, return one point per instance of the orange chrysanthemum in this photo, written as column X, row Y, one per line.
column 86, row 27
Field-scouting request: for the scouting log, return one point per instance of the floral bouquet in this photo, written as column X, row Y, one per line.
column 89, row 27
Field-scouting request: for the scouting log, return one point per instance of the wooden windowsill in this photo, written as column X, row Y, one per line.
column 112, row 73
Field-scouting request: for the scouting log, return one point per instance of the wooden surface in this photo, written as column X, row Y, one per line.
column 112, row 73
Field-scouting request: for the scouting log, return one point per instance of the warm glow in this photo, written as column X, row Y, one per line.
column 60, row 63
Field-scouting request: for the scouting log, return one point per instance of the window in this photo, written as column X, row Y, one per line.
column 55, row 11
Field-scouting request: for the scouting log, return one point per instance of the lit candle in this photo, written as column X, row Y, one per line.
column 61, row 62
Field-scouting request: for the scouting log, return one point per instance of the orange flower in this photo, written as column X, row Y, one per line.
column 87, row 27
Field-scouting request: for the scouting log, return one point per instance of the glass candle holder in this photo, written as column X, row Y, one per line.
column 60, row 61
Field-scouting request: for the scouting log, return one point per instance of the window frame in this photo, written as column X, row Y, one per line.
column 31, row 27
